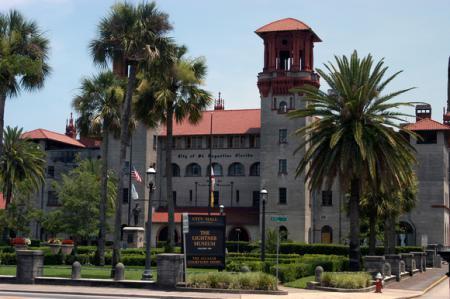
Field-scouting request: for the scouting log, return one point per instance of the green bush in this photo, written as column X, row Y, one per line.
column 226, row 280
column 7, row 249
column 7, row 258
column 302, row 248
column 331, row 263
column 291, row 272
column 254, row 266
column 246, row 247
column 346, row 280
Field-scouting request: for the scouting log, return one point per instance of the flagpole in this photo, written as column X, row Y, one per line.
column 129, row 182
column 210, row 165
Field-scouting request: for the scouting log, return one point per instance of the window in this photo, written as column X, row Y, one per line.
column 175, row 170
column 126, row 167
column 197, row 142
column 234, row 141
column 190, row 195
column 237, row 196
column 253, row 141
column 216, row 198
column 327, row 198
column 255, row 169
column 255, row 199
column 174, row 198
column 282, row 166
column 217, row 168
column 51, row 171
column 52, row 199
column 282, row 196
column 155, row 141
column 193, row 169
column 178, row 142
column 218, row 142
column 282, row 136
column 283, row 108
column 125, row 195
column 283, row 231
column 427, row 137
column 326, row 235
column 236, row 169
column 274, row 103
column 291, row 103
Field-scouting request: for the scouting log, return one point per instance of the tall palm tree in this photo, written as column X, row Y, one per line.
column 129, row 37
column 98, row 105
column 22, row 160
column 353, row 137
column 174, row 95
column 23, row 59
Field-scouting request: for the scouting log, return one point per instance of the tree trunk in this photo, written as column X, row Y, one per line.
column 2, row 118
column 124, row 138
column 389, row 235
column 169, row 195
column 103, row 196
column 355, row 250
column 372, row 231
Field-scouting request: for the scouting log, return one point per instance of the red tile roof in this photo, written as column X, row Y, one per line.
column 2, row 202
column 427, row 124
column 245, row 121
column 287, row 24
column 90, row 142
column 46, row 134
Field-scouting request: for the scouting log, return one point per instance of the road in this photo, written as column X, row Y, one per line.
column 441, row 291
column 17, row 295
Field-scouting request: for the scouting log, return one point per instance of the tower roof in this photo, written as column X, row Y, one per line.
column 287, row 24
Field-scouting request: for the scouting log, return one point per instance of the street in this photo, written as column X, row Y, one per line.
column 17, row 295
column 441, row 291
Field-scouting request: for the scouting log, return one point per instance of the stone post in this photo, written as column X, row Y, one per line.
column 374, row 264
column 119, row 273
column 318, row 273
column 394, row 261
column 437, row 261
column 431, row 255
column 76, row 270
column 169, row 269
column 424, row 261
column 386, row 269
column 30, row 264
column 419, row 260
column 409, row 265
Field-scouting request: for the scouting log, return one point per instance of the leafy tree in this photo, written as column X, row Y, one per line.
column 23, row 59
column 98, row 105
column 23, row 160
column 129, row 37
column 351, row 136
column 79, row 193
column 174, row 94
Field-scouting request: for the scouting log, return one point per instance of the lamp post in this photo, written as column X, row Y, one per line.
column 264, row 195
column 147, row 275
column 221, row 209
column 238, row 232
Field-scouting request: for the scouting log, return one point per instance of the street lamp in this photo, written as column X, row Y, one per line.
column 151, row 175
column 264, row 196
column 221, row 209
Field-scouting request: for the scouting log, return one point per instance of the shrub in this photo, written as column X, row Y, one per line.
column 225, row 280
column 346, row 280
column 245, row 247
column 7, row 258
column 292, row 272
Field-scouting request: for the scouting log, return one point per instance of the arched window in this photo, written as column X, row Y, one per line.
column 193, row 169
column 175, row 170
column 254, row 169
column 326, row 236
column 283, row 108
column 163, row 235
column 283, row 231
column 236, row 169
column 406, row 235
column 238, row 234
column 218, row 170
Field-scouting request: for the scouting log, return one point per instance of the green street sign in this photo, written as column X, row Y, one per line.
column 279, row 218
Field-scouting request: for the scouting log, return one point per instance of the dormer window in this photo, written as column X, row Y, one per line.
column 283, row 108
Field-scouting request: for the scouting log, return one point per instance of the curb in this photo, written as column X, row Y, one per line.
column 438, row 281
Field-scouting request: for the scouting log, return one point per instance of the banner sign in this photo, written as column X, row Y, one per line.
column 205, row 242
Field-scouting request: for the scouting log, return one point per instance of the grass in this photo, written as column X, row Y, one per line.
column 300, row 283
column 131, row 272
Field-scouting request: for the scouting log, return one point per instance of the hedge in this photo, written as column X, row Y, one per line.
column 241, row 281
column 349, row 280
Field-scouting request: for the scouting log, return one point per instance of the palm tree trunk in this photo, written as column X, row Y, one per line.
column 372, row 231
column 124, row 138
column 169, row 195
column 389, row 235
column 355, row 250
column 2, row 118
column 103, row 196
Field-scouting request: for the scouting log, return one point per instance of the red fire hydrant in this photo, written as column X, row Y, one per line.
column 378, row 283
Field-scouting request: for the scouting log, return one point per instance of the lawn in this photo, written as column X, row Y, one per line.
column 131, row 272
column 300, row 283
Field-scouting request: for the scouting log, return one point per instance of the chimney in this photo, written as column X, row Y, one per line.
column 423, row 111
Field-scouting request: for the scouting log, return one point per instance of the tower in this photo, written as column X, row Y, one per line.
column 71, row 130
column 447, row 114
column 288, row 63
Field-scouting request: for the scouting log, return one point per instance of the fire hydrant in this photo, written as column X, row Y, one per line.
column 378, row 283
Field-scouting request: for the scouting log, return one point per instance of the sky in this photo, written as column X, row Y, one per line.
column 413, row 36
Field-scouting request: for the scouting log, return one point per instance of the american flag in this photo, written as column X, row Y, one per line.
column 135, row 175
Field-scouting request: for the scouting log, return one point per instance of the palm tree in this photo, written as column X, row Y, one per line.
column 352, row 136
column 22, row 160
column 98, row 105
column 23, row 59
column 129, row 37
column 174, row 95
